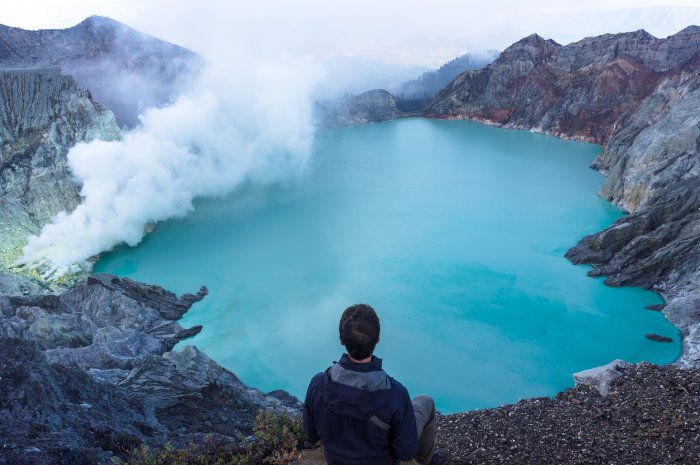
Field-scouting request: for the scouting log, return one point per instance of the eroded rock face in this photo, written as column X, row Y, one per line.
column 42, row 114
column 657, row 144
column 653, row 171
column 102, row 353
column 575, row 91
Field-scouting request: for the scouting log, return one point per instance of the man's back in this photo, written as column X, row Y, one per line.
column 362, row 415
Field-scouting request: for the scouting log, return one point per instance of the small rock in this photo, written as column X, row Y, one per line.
column 601, row 377
column 657, row 338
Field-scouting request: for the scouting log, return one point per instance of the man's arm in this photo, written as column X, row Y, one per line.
column 310, row 407
column 404, row 433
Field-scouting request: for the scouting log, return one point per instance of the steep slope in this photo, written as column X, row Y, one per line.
column 123, row 68
column 639, row 96
column 42, row 114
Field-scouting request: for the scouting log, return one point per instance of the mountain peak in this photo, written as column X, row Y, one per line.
column 101, row 23
column 693, row 29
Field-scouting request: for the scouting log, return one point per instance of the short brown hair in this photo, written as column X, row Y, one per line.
column 359, row 330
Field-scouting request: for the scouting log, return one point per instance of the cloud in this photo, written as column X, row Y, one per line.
column 243, row 122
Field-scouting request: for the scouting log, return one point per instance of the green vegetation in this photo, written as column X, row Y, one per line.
column 276, row 441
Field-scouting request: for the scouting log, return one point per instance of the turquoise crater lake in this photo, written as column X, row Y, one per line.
column 454, row 231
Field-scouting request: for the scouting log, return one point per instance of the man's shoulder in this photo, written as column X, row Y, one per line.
column 397, row 387
column 317, row 379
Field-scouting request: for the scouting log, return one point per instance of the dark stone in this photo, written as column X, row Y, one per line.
column 657, row 338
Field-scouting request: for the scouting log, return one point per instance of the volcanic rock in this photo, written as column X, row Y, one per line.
column 92, row 372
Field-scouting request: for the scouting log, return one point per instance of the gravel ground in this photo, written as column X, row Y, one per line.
column 651, row 416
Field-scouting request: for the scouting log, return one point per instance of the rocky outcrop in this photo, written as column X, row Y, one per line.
column 600, row 377
column 42, row 114
column 639, row 96
column 91, row 372
column 369, row 107
column 124, row 69
column 575, row 91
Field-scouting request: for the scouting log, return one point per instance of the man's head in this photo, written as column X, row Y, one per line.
column 359, row 330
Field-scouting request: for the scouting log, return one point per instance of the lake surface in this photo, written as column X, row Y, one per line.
column 454, row 231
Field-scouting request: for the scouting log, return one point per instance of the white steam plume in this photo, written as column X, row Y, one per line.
column 249, row 124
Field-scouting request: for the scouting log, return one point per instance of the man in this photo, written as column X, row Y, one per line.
column 362, row 415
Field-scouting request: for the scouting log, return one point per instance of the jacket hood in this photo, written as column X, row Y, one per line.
column 357, row 390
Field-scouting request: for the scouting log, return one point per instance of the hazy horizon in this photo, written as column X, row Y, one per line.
column 400, row 33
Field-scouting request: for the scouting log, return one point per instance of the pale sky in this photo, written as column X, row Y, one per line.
column 400, row 31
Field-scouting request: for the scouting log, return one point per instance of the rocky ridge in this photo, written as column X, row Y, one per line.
column 124, row 69
column 577, row 91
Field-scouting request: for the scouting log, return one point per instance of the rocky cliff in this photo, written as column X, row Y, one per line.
column 90, row 373
column 42, row 114
column 638, row 96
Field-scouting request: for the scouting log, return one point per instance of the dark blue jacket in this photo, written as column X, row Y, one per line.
column 361, row 415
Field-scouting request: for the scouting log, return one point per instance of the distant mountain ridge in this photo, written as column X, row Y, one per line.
column 417, row 92
column 577, row 90
column 123, row 68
